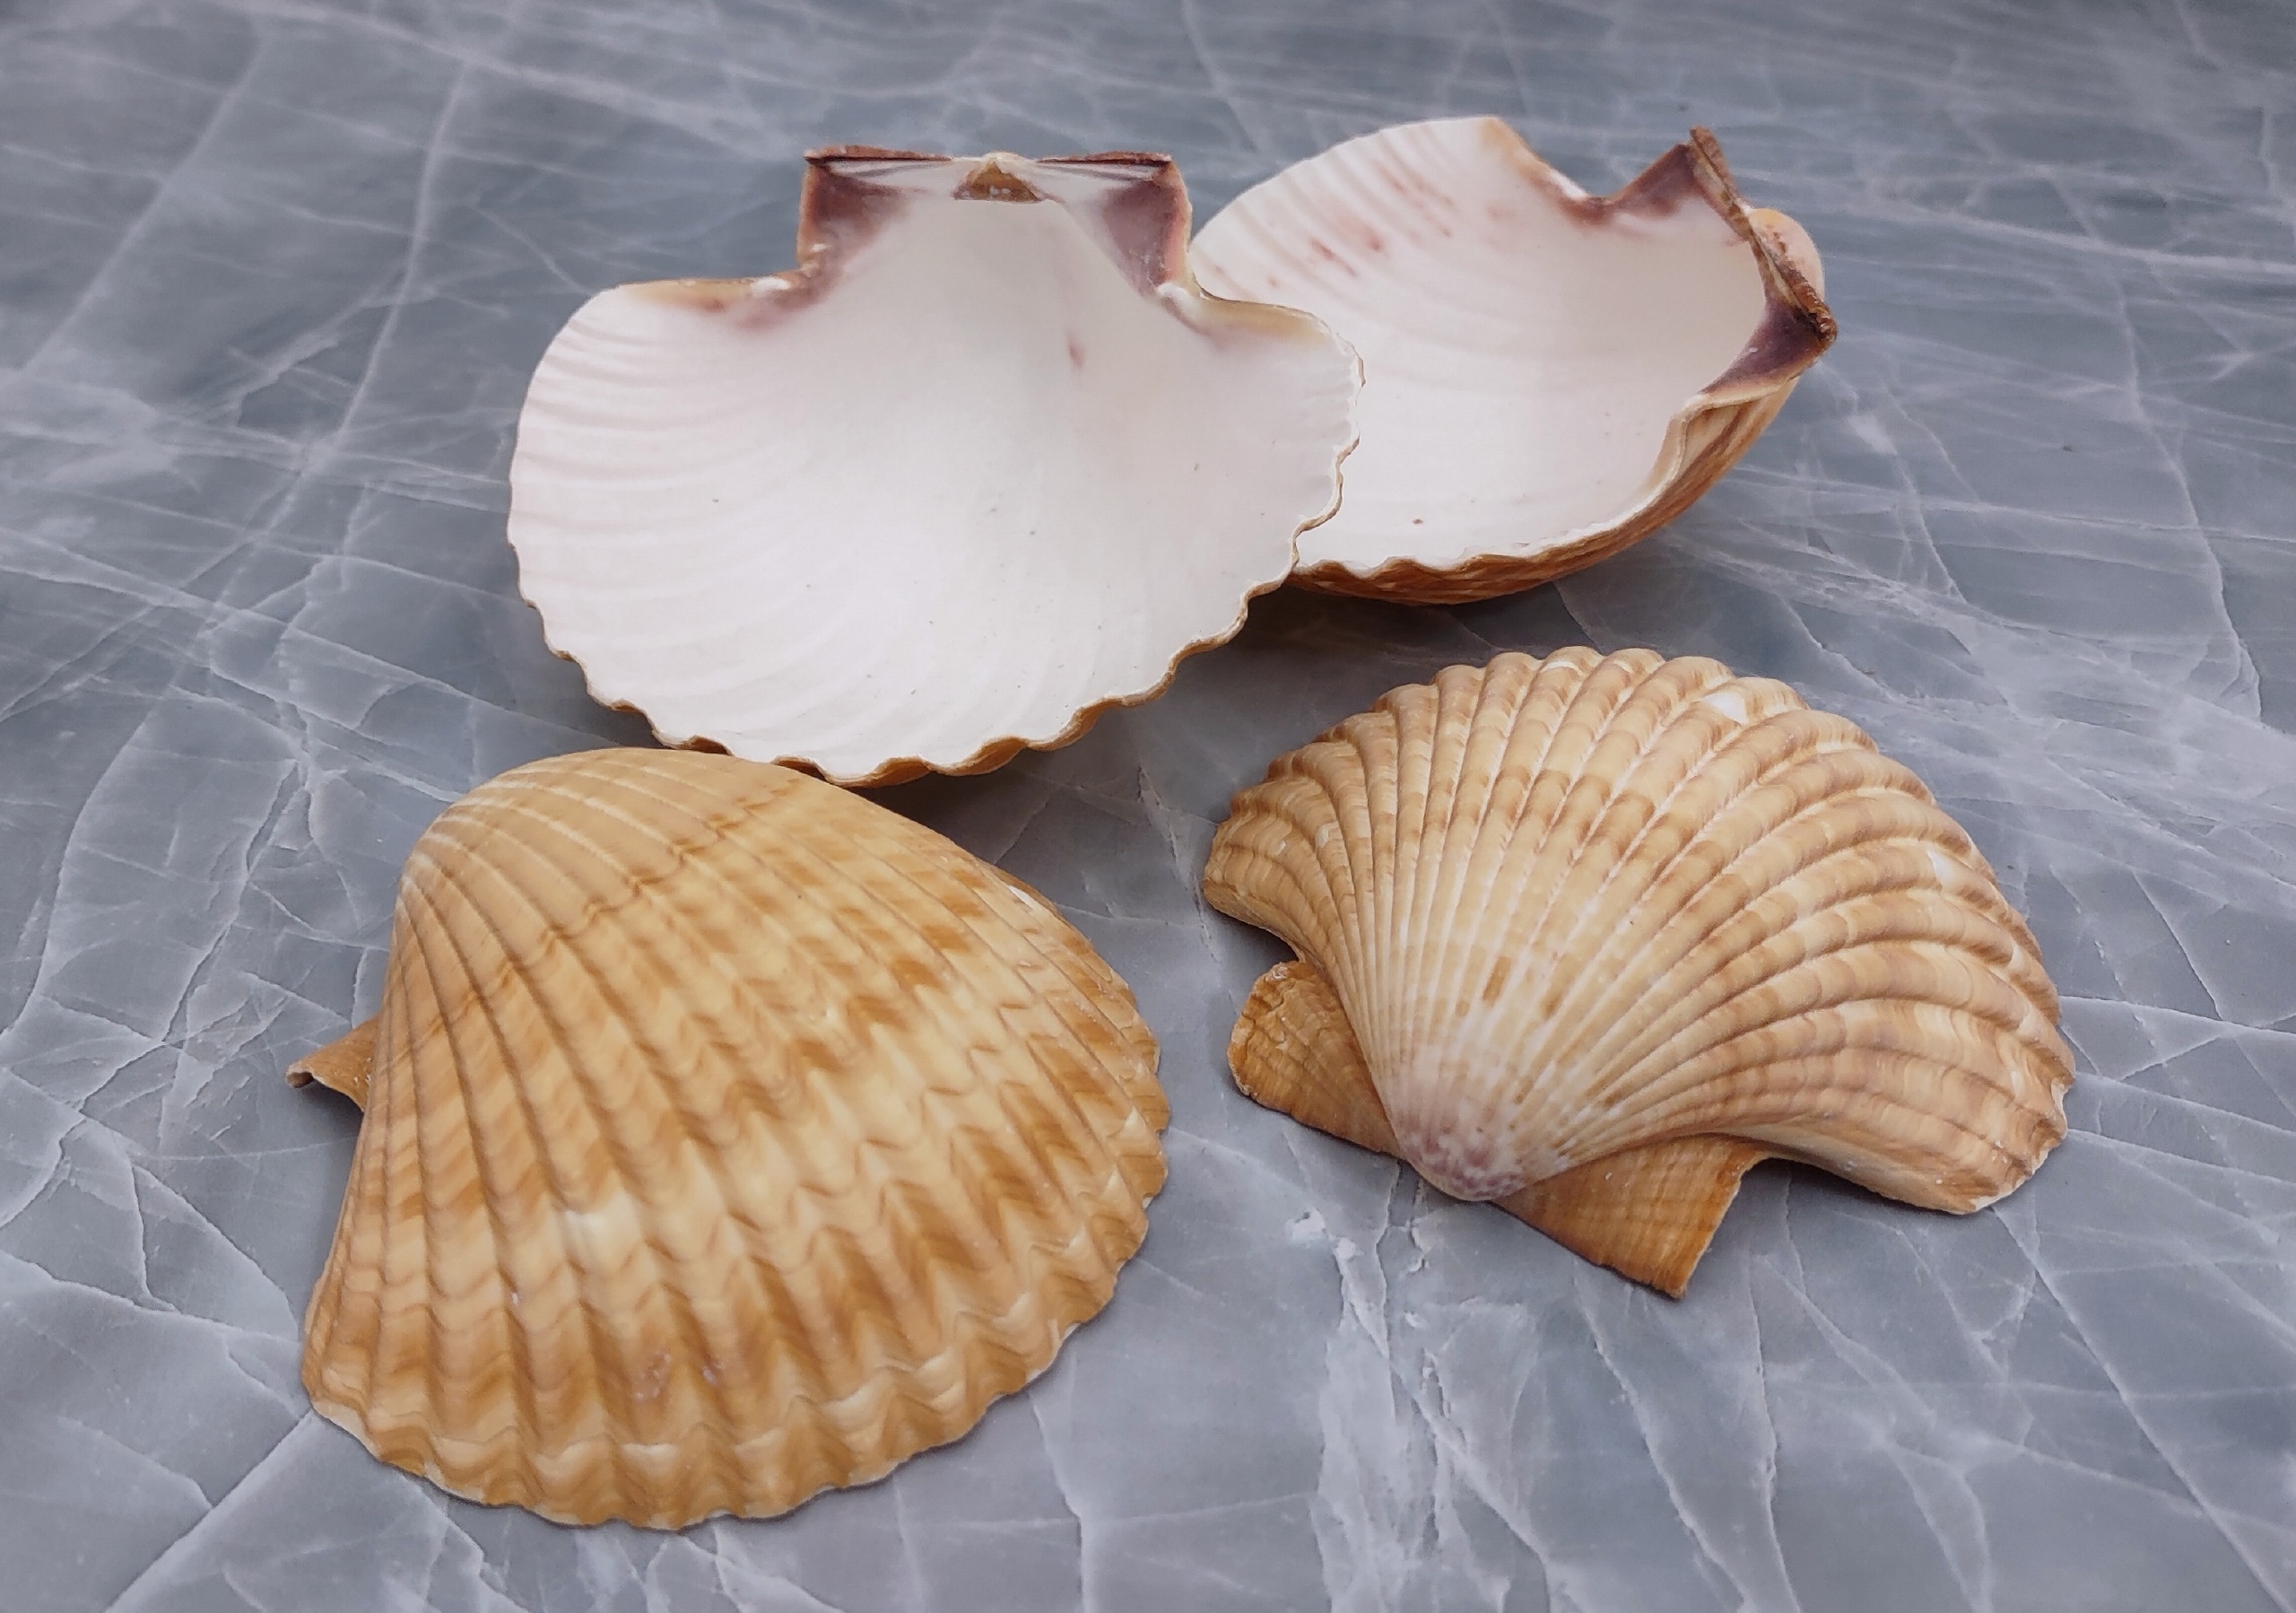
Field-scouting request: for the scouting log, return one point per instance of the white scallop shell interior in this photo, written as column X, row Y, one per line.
column 1522, row 361
column 974, row 485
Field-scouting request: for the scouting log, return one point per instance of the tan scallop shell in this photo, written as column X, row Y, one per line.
column 1547, row 375
column 727, row 1137
column 1592, row 936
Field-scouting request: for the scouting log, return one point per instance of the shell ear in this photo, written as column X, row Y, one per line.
column 1648, row 1213
column 1293, row 1052
column 342, row 1065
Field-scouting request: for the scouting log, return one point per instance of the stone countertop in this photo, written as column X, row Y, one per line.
column 273, row 275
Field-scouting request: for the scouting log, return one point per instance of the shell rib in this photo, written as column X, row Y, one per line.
column 984, row 464
column 1590, row 936
column 1548, row 376
column 727, row 1137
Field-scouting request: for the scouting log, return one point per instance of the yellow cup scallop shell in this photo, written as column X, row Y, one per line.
column 727, row 1137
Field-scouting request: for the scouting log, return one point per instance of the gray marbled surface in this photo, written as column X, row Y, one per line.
column 272, row 278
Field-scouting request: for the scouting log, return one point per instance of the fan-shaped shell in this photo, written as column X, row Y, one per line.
column 1591, row 935
column 1548, row 375
column 727, row 1137
column 984, row 464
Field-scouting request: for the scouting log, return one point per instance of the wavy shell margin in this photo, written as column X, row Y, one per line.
column 1707, row 436
column 834, row 220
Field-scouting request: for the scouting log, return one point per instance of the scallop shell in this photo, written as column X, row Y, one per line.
column 1548, row 375
column 727, row 1137
column 984, row 464
column 1591, row 935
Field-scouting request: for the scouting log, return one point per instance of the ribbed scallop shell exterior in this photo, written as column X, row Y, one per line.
column 1591, row 935
column 727, row 1137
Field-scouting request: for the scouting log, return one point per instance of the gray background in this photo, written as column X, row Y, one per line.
column 271, row 279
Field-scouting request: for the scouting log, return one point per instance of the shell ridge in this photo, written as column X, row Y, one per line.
column 1343, row 771
column 1128, row 1033
column 1315, row 922
column 1013, row 919
column 403, row 1275
column 786, row 1099
column 358, row 1239
column 791, row 1101
column 1520, row 793
column 1526, row 846
column 1606, row 719
column 525, row 1410
column 1238, row 857
column 1292, row 1050
column 1938, row 1162
column 1509, row 684
column 1714, row 1087
column 687, row 852
column 1663, row 883
column 1804, row 1003
column 1411, row 718
column 1474, row 768
column 1778, row 853
column 1596, row 704
column 1615, row 730
column 1784, row 966
column 1765, row 1084
column 873, row 1156
column 1081, row 1050
column 1083, row 1140
column 997, row 1216
column 1627, row 913
column 1049, row 1252
column 1926, row 975
column 1468, row 838
column 1460, row 692
column 981, row 1348
column 1033, row 947
column 1403, row 805
column 862, row 1417
column 794, row 1378
column 1058, row 1264
column 1747, row 844
column 834, row 1454
column 402, row 1261
column 649, row 1266
column 379, row 1416
column 1744, row 942
column 596, row 1290
column 359, row 1242
column 1650, row 1213
column 1332, row 770
column 777, row 891
column 1532, row 868
column 1378, row 745
column 1239, row 862
column 1052, row 1151
column 1655, row 739
column 787, row 1305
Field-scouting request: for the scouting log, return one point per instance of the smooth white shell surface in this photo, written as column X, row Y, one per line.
column 1523, row 357
column 953, row 492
